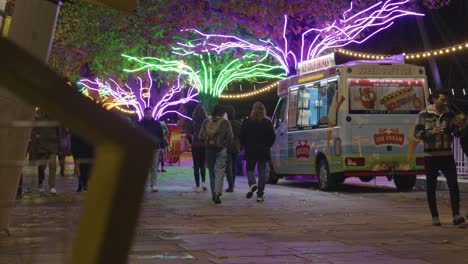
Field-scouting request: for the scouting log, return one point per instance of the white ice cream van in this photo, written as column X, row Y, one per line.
column 353, row 120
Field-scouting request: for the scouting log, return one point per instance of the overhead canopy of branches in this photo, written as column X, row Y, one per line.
column 89, row 33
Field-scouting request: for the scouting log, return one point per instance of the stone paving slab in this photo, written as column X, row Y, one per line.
column 361, row 258
column 295, row 224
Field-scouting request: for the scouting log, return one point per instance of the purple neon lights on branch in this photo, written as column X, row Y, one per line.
column 314, row 41
column 138, row 95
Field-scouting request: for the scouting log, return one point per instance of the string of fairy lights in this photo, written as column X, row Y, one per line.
column 252, row 93
column 450, row 50
column 462, row 47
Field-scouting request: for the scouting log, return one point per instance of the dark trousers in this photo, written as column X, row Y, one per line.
column 41, row 173
column 250, row 166
column 85, row 171
column 198, row 156
column 231, row 169
column 61, row 158
column 446, row 164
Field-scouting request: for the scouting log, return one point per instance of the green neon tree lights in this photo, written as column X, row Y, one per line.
column 212, row 73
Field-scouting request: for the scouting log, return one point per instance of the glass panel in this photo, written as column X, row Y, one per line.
column 292, row 112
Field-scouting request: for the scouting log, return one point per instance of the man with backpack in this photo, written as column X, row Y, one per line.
column 216, row 133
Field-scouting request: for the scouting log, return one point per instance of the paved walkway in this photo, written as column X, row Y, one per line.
column 296, row 224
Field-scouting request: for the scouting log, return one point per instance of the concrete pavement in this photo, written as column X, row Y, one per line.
column 295, row 224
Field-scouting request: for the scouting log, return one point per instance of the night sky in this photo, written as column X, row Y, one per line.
column 444, row 27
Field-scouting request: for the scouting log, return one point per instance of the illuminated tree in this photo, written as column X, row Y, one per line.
column 212, row 73
column 137, row 95
column 353, row 27
column 88, row 33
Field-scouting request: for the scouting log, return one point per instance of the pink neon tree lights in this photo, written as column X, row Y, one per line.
column 314, row 41
column 138, row 95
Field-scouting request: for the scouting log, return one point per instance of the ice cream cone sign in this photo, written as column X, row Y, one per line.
column 412, row 143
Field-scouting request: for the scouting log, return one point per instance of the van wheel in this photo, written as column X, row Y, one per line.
column 405, row 183
column 366, row 178
column 326, row 180
column 272, row 177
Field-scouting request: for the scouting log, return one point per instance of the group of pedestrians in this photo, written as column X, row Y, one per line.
column 50, row 141
column 217, row 141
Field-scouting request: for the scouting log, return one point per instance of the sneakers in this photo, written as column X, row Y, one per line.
column 260, row 199
column 436, row 221
column 197, row 189
column 458, row 219
column 204, row 186
column 252, row 189
column 216, row 198
column 53, row 191
column 40, row 187
column 163, row 170
column 229, row 190
column 154, row 188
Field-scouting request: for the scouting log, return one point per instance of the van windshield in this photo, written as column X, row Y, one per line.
column 386, row 95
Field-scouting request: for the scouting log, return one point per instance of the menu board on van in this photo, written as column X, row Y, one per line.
column 386, row 95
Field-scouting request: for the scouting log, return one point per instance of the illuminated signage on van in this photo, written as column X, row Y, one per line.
column 316, row 64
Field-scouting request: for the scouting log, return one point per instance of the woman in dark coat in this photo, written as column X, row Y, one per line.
column 198, row 146
column 257, row 137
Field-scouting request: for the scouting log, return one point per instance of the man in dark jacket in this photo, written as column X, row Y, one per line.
column 154, row 129
column 436, row 126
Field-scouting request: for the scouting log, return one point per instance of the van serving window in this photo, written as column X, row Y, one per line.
column 310, row 104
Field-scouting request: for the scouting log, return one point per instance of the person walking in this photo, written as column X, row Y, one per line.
column 198, row 146
column 233, row 149
column 436, row 126
column 44, row 147
column 83, row 154
column 216, row 133
column 65, row 149
column 257, row 136
column 154, row 129
column 163, row 152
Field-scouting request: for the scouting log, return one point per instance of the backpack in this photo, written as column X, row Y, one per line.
column 213, row 138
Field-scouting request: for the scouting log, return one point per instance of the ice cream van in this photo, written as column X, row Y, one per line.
column 352, row 120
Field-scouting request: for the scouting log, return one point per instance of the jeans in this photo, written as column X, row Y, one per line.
column 216, row 163
column 154, row 167
column 261, row 174
column 44, row 160
column 231, row 169
column 85, row 171
column 198, row 156
column 446, row 164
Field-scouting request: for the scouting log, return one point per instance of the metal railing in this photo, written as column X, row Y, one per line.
column 461, row 160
